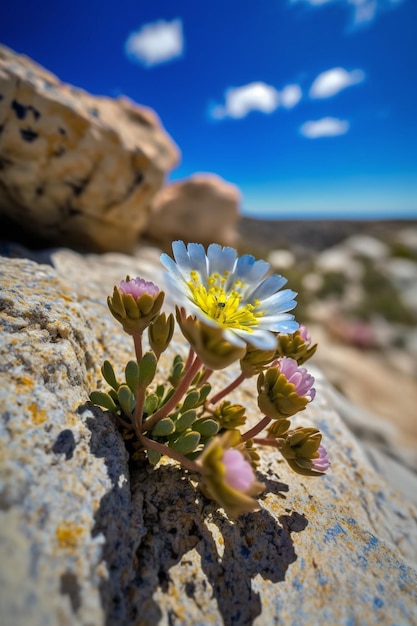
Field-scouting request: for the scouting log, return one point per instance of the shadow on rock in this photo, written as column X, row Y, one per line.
column 115, row 518
column 162, row 558
column 174, row 517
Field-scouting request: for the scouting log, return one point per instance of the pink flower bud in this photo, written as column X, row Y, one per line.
column 298, row 376
column 136, row 287
column 304, row 334
column 322, row 463
column 239, row 473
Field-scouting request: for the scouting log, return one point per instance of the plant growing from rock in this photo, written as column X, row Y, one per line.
column 229, row 310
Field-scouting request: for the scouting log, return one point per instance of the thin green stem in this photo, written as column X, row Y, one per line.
column 163, row 449
column 182, row 388
column 250, row 434
column 219, row 396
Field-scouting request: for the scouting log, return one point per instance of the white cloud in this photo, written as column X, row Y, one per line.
column 329, row 83
column 155, row 43
column 239, row 101
column 290, row 96
column 363, row 11
column 326, row 127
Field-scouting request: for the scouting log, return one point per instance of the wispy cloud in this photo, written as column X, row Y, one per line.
column 154, row 43
column 362, row 11
column 239, row 101
column 290, row 96
column 329, row 83
column 256, row 96
column 326, row 127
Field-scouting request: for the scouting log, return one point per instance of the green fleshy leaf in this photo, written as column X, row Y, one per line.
column 185, row 421
column 176, row 373
column 103, row 399
column 153, row 456
column 170, row 393
column 147, row 369
column 113, row 394
column 126, row 399
column 207, row 427
column 190, row 401
column 151, row 403
column 109, row 375
column 163, row 428
column 186, row 443
column 160, row 390
column 132, row 375
column 204, row 392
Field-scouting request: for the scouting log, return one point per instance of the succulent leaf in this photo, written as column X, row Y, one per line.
column 132, row 375
column 186, row 443
column 103, row 399
column 109, row 375
column 163, row 428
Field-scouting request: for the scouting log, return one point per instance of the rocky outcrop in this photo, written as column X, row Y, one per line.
column 87, row 539
column 76, row 169
column 201, row 208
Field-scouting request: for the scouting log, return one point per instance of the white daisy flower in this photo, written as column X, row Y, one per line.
column 231, row 292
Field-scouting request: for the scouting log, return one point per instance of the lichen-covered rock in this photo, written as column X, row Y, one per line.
column 76, row 169
column 202, row 208
column 87, row 539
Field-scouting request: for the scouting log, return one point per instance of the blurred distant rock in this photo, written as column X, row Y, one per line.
column 203, row 208
column 357, row 289
column 76, row 169
column 309, row 236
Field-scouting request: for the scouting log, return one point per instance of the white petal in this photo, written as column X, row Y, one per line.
column 260, row 339
column 267, row 288
column 172, row 268
column 198, row 260
column 287, row 327
column 220, row 259
column 250, row 271
column 275, row 322
column 181, row 255
column 233, row 338
column 278, row 303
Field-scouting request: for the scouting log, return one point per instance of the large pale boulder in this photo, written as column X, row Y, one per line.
column 203, row 208
column 76, row 169
column 88, row 539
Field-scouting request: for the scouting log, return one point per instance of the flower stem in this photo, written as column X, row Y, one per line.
column 256, row 429
column 219, row 396
column 138, row 415
column 206, row 375
column 163, row 449
column 190, row 371
column 137, row 338
column 266, row 441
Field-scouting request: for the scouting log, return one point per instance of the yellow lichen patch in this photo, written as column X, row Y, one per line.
column 71, row 419
column 68, row 534
column 25, row 381
column 39, row 416
column 66, row 298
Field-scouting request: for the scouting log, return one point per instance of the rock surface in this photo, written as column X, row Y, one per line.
column 86, row 539
column 201, row 208
column 76, row 169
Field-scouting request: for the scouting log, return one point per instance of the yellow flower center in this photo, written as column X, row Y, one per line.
column 224, row 306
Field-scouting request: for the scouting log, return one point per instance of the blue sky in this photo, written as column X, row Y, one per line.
column 309, row 106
